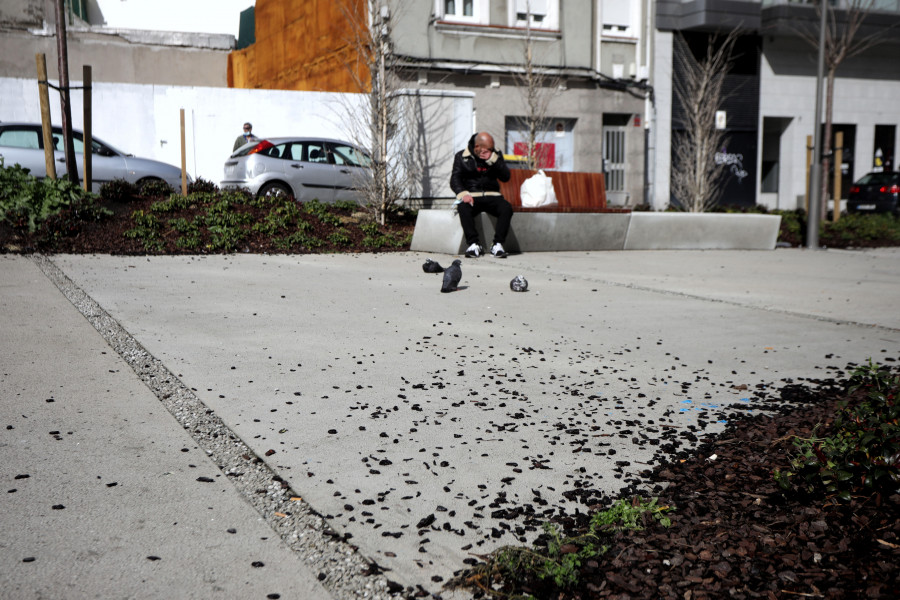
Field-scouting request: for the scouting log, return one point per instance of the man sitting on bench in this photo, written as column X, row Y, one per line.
column 477, row 171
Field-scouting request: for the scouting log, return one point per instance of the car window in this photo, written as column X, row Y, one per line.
column 279, row 151
column 316, row 152
column 78, row 143
column 348, row 155
column 295, row 152
column 875, row 179
column 20, row 138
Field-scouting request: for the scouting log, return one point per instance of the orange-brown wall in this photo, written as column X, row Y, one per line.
column 301, row 45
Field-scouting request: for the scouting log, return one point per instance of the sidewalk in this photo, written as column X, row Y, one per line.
column 104, row 496
column 424, row 426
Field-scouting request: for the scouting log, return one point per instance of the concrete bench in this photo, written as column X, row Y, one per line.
column 440, row 231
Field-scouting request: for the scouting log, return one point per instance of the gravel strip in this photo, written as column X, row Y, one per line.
column 339, row 567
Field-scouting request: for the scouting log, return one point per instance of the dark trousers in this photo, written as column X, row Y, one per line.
column 496, row 206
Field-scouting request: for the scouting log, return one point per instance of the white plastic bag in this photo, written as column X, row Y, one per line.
column 537, row 190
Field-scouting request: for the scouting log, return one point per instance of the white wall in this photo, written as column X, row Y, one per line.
column 144, row 120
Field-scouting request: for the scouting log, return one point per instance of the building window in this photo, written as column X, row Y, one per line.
column 543, row 14
column 464, row 11
column 619, row 18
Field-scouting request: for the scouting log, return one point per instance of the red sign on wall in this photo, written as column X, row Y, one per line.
column 545, row 154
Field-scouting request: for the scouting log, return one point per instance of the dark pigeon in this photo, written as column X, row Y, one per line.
column 518, row 284
column 431, row 266
column 452, row 275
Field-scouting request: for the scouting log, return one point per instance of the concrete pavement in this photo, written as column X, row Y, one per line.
column 422, row 426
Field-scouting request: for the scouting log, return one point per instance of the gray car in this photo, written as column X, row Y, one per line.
column 23, row 144
column 305, row 168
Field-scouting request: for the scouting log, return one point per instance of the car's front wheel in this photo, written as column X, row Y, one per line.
column 275, row 189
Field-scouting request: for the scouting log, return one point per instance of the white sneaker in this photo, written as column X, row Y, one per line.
column 474, row 251
column 498, row 251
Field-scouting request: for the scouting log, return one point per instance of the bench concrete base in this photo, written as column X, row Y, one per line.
column 440, row 231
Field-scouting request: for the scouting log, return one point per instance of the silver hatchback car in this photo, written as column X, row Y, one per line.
column 305, row 168
column 23, row 144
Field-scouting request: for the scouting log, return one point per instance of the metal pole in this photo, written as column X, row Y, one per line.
column 815, row 173
column 183, row 158
column 66, row 108
column 838, row 171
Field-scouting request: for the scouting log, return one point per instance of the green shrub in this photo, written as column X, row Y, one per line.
column 557, row 558
column 202, row 185
column 341, row 237
column 155, row 188
column 174, row 203
column 299, row 239
column 859, row 454
column 859, row 229
column 322, row 212
column 346, row 205
column 26, row 201
column 118, row 190
column 225, row 238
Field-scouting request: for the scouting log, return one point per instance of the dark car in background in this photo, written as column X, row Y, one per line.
column 320, row 169
column 875, row 193
column 23, row 144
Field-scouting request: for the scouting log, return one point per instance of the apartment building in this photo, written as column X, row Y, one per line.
column 770, row 104
column 591, row 52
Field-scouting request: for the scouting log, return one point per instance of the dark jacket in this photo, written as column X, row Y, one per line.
column 477, row 177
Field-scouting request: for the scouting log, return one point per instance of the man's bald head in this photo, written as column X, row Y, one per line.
column 484, row 145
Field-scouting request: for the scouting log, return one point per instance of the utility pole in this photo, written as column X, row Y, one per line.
column 65, row 106
column 815, row 173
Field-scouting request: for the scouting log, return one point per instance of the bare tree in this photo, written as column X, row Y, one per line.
column 697, row 180
column 842, row 41
column 537, row 88
column 376, row 125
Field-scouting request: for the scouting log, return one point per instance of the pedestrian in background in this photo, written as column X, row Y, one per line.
column 245, row 138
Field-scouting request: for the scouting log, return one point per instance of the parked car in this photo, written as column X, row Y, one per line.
column 305, row 168
column 23, row 144
column 875, row 192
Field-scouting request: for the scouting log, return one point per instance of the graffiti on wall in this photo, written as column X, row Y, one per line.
column 735, row 161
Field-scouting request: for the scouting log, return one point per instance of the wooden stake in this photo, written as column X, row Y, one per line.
column 838, row 173
column 183, row 159
column 88, row 134
column 46, row 125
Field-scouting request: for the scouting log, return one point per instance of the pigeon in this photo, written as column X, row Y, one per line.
column 431, row 266
column 518, row 284
column 452, row 275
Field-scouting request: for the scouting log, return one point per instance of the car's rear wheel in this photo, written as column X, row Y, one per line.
column 275, row 189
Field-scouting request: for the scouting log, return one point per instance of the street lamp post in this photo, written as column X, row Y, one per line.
column 815, row 172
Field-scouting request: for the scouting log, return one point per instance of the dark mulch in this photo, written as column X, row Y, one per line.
column 735, row 535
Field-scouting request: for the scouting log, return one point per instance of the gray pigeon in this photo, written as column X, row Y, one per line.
column 431, row 266
column 518, row 284
column 452, row 275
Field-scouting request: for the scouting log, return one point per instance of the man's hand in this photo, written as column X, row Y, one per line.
column 468, row 199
